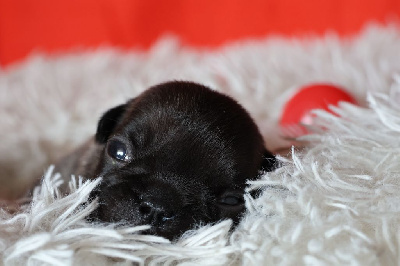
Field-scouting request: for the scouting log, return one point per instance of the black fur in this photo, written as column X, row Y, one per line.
column 189, row 152
column 108, row 123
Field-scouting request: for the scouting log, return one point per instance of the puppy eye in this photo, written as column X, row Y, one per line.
column 117, row 150
column 231, row 200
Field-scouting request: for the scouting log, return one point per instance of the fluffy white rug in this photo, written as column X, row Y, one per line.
column 335, row 202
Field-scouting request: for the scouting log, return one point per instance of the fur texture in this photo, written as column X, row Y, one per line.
column 334, row 202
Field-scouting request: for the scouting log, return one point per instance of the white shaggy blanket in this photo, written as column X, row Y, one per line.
column 336, row 202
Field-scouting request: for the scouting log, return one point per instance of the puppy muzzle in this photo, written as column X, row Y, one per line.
column 160, row 205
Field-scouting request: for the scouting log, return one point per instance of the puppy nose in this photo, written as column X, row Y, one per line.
column 155, row 214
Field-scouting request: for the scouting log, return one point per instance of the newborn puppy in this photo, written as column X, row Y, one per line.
column 177, row 155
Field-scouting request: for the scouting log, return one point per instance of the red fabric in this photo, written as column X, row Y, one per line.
column 49, row 25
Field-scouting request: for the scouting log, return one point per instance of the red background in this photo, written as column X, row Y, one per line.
column 59, row 25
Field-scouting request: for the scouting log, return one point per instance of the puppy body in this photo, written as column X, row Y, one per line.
column 177, row 155
column 80, row 162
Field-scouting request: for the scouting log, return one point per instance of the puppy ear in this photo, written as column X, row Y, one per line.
column 108, row 123
column 269, row 162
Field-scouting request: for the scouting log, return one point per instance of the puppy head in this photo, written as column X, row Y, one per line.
column 177, row 155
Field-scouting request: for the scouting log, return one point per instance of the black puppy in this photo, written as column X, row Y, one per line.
column 177, row 155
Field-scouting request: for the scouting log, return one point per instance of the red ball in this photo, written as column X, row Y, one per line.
column 314, row 96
